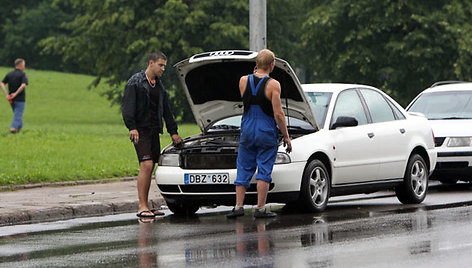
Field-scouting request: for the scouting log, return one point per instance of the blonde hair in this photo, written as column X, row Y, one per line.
column 264, row 59
column 19, row 61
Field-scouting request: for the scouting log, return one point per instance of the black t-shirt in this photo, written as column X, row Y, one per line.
column 154, row 103
column 14, row 80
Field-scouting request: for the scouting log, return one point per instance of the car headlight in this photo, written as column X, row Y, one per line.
column 459, row 142
column 169, row 160
column 282, row 158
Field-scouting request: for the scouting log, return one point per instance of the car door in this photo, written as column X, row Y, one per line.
column 355, row 154
column 391, row 135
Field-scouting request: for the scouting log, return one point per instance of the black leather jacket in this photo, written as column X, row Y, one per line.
column 135, row 107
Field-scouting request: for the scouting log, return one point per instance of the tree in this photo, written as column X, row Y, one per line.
column 30, row 24
column 400, row 46
column 284, row 31
column 114, row 37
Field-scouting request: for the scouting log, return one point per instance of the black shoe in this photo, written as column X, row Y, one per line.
column 266, row 213
column 235, row 213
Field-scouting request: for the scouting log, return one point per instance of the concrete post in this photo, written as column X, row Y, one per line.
column 257, row 25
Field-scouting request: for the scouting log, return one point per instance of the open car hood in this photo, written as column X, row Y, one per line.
column 211, row 84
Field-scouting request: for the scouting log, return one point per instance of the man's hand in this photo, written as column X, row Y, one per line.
column 288, row 143
column 134, row 136
column 176, row 139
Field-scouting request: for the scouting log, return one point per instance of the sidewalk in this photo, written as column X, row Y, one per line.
column 40, row 203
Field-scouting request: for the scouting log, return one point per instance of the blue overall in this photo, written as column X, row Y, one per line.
column 258, row 143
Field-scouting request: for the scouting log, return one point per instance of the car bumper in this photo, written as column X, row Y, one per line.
column 456, row 165
column 285, row 185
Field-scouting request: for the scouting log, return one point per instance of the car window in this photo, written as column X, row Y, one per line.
column 319, row 102
column 349, row 104
column 379, row 109
column 397, row 111
column 444, row 105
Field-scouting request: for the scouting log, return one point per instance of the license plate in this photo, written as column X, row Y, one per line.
column 206, row 178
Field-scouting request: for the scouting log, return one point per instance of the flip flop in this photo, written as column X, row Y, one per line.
column 157, row 212
column 141, row 215
column 146, row 220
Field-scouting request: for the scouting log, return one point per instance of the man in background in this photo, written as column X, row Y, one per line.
column 17, row 81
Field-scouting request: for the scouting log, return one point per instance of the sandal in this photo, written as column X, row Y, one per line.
column 141, row 215
column 157, row 212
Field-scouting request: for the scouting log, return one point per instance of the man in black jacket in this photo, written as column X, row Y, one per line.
column 145, row 103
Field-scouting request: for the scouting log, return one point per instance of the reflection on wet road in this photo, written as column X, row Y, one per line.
column 351, row 233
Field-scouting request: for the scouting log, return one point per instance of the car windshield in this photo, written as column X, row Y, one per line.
column 234, row 123
column 319, row 102
column 444, row 105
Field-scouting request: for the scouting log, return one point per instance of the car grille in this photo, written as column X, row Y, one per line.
column 209, row 161
column 438, row 141
column 209, row 188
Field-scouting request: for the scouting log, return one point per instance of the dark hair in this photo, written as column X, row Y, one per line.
column 155, row 56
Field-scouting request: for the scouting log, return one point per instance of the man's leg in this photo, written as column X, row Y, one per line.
column 17, row 122
column 245, row 169
column 240, row 194
column 262, row 189
column 144, row 183
column 265, row 164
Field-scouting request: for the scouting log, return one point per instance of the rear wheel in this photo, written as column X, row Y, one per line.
column 415, row 182
column 183, row 209
column 314, row 192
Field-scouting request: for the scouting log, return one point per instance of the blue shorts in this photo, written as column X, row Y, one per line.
column 250, row 158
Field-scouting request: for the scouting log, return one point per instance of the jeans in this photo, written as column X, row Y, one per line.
column 18, row 108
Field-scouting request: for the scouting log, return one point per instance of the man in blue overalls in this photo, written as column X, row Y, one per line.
column 258, row 143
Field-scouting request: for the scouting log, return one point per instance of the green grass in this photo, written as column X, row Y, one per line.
column 69, row 133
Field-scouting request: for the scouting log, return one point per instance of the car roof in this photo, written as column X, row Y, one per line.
column 331, row 87
column 462, row 86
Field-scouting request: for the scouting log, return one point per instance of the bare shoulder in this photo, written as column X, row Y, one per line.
column 273, row 84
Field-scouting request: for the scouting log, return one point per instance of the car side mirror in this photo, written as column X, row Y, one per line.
column 345, row 121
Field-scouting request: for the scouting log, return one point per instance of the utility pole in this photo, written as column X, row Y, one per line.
column 257, row 25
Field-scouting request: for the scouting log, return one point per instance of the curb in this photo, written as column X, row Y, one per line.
column 63, row 183
column 71, row 212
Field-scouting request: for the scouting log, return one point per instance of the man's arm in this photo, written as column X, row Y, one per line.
column 274, row 91
column 18, row 91
column 4, row 90
column 242, row 84
column 128, row 106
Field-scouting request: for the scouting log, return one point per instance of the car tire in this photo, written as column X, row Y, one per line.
column 315, row 188
column 414, row 187
column 183, row 209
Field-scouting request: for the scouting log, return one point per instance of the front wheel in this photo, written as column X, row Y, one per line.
column 314, row 192
column 415, row 182
column 183, row 209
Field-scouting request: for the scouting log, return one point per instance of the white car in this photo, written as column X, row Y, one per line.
column 448, row 106
column 363, row 141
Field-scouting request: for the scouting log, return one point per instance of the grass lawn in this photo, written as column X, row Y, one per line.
column 69, row 133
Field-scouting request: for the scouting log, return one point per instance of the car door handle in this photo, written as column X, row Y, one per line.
column 371, row 134
column 402, row 130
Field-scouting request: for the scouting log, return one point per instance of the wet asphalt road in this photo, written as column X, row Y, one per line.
column 358, row 231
